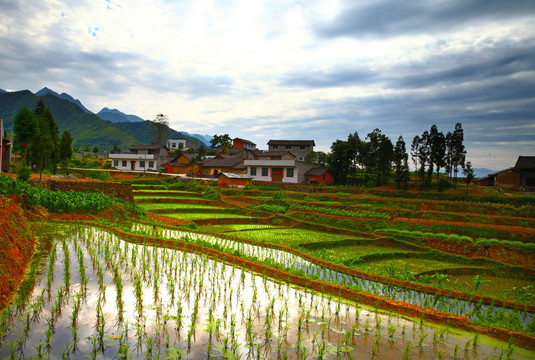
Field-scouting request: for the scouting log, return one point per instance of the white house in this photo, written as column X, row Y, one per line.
column 140, row 162
column 174, row 144
column 141, row 157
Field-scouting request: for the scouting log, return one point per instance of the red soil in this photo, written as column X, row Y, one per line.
column 16, row 247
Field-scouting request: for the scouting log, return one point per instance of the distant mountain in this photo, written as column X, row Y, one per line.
column 116, row 116
column 204, row 138
column 142, row 131
column 86, row 129
column 482, row 172
column 64, row 96
column 2, row 91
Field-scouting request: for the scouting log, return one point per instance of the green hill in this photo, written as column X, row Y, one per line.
column 86, row 129
column 142, row 131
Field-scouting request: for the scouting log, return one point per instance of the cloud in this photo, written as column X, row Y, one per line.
column 383, row 18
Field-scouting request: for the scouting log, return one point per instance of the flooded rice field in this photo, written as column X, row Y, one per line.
column 97, row 296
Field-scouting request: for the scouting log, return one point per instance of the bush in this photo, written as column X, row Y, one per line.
column 23, row 174
column 270, row 208
column 98, row 175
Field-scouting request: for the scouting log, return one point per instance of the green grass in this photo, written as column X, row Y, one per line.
column 346, row 252
column 156, row 205
column 416, row 265
column 289, row 236
column 143, row 197
column 199, row 216
column 238, row 227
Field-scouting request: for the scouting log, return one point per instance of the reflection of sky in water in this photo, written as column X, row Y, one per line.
column 292, row 261
column 254, row 294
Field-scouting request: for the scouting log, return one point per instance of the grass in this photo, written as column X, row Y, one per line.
column 151, row 206
column 416, row 265
column 289, row 236
column 199, row 216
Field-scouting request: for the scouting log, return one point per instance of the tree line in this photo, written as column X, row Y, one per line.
column 37, row 139
column 375, row 160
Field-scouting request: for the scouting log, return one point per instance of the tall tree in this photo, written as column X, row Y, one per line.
column 401, row 165
column 437, row 151
column 65, row 150
column 26, row 127
column 223, row 142
column 468, row 172
column 423, row 155
column 380, row 153
column 339, row 161
column 45, row 144
column 415, row 151
column 160, row 129
column 458, row 150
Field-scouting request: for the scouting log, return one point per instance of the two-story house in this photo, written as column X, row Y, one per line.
column 278, row 166
column 5, row 149
column 181, row 144
column 141, row 158
column 300, row 148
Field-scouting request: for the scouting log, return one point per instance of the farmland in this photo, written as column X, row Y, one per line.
column 269, row 273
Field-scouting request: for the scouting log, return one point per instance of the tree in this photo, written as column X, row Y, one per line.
column 95, row 150
column 380, row 153
column 339, row 161
column 223, row 142
column 26, row 127
column 437, row 151
column 468, row 172
column 458, row 155
column 46, row 142
column 423, row 155
column 160, row 129
column 65, row 150
column 401, row 165
column 116, row 149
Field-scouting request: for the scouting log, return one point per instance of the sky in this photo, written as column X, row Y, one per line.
column 290, row 69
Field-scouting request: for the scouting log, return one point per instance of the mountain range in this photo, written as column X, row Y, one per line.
column 104, row 129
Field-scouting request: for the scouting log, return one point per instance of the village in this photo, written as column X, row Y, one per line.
column 283, row 162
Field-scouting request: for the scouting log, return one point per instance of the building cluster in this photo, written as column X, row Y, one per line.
column 283, row 162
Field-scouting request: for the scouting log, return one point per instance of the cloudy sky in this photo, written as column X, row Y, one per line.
column 289, row 69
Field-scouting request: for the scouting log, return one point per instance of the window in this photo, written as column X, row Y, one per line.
column 288, row 147
column 253, row 171
column 302, row 147
column 275, row 147
column 300, row 158
column 265, row 172
column 123, row 164
column 142, row 164
column 151, row 164
column 173, row 145
column 115, row 162
column 290, row 172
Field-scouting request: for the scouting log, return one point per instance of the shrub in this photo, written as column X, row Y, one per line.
column 23, row 174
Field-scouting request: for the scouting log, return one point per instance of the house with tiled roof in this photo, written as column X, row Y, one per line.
column 141, row 158
column 300, row 148
column 519, row 177
column 242, row 143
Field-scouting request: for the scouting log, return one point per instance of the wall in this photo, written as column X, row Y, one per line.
column 122, row 191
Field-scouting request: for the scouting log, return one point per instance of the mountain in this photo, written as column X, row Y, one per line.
column 2, row 91
column 64, row 96
column 142, row 131
column 482, row 172
column 86, row 129
column 116, row 116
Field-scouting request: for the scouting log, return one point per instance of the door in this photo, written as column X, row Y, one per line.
column 276, row 174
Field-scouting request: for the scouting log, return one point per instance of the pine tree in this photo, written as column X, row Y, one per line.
column 401, row 165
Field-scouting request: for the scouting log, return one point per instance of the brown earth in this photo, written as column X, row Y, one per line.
column 17, row 245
